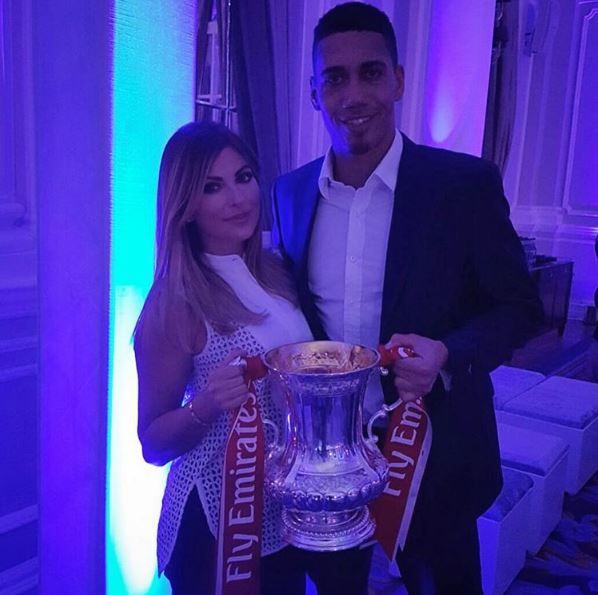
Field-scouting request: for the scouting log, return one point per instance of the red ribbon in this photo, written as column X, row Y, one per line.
column 406, row 448
column 241, row 506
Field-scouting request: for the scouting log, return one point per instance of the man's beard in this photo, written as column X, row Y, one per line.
column 359, row 148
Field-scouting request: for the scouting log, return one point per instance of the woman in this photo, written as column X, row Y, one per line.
column 216, row 296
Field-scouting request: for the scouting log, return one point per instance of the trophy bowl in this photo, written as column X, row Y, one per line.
column 326, row 472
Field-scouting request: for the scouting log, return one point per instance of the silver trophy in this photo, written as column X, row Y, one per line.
column 326, row 472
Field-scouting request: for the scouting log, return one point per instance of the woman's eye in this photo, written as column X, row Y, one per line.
column 211, row 188
column 245, row 177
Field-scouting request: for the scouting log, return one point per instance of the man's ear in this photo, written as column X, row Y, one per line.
column 400, row 82
column 314, row 95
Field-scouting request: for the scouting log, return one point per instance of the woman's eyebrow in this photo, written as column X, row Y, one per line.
column 246, row 166
column 219, row 178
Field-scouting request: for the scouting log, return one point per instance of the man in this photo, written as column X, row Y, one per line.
column 391, row 241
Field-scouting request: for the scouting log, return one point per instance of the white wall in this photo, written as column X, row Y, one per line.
column 18, row 307
column 17, row 199
column 551, row 177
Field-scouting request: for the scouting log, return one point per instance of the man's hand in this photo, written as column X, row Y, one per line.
column 415, row 377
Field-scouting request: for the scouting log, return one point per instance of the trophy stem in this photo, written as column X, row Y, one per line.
column 327, row 531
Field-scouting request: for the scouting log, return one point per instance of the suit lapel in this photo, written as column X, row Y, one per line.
column 402, row 238
column 305, row 204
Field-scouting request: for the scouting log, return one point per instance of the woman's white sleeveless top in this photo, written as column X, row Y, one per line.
column 202, row 466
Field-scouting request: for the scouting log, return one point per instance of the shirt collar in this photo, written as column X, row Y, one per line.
column 386, row 170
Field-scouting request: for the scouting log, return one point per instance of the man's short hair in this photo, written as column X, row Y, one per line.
column 356, row 16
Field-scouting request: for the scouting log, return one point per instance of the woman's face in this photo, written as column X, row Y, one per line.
column 227, row 210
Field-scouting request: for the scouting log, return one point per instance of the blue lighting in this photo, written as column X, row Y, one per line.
column 153, row 90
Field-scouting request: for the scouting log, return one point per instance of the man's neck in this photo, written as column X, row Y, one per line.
column 354, row 170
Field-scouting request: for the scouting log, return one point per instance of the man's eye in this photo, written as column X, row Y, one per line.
column 373, row 74
column 333, row 79
column 211, row 188
column 245, row 177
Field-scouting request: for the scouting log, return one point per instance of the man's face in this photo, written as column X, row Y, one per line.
column 355, row 86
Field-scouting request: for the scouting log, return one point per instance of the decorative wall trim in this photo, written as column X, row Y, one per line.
column 10, row 212
column 532, row 216
column 18, row 301
column 14, row 520
column 582, row 234
column 581, row 59
column 577, row 311
column 18, row 216
column 20, row 578
column 555, row 220
column 17, row 344
column 17, row 133
column 512, row 175
column 16, row 373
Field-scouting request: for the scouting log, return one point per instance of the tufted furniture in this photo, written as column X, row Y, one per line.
column 509, row 382
column 543, row 458
column 503, row 530
column 564, row 408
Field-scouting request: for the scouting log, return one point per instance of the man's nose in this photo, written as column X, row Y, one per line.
column 354, row 93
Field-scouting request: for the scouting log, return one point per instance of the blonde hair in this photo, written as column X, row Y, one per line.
column 187, row 291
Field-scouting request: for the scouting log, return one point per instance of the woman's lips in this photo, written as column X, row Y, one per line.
column 240, row 218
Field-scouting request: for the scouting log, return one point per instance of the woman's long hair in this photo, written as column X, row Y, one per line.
column 186, row 290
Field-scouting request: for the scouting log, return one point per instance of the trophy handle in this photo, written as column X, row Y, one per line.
column 388, row 355
column 384, row 411
column 274, row 444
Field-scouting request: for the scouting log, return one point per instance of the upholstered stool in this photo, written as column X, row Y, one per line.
column 566, row 408
column 509, row 382
column 503, row 531
column 543, row 458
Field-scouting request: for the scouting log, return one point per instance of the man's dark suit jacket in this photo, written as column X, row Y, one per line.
column 455, row 271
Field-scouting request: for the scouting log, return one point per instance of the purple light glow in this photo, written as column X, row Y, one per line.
column 459, row 49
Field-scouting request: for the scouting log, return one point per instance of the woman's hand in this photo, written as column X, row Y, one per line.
column 226, row 389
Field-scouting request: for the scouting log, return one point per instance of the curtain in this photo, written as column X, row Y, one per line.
column 204, row 14
column 265, row 50
column 502, row 90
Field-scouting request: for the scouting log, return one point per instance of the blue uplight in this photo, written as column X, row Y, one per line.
column 153, row 94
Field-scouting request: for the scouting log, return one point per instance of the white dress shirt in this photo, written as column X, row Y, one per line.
column 347, row 256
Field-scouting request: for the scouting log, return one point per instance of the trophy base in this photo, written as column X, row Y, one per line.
column 327, row 531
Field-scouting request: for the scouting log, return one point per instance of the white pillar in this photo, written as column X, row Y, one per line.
column 113, row 80
column 71, row 55
column 153, row 71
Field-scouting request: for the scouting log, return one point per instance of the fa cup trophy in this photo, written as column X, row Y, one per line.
column 327, row 471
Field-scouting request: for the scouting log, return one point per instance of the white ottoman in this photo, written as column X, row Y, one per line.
column 509, row 382
column 503, row 531
column 543, row 458
column 566, row 408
